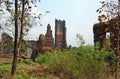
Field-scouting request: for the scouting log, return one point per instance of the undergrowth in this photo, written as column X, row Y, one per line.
column 77, row 63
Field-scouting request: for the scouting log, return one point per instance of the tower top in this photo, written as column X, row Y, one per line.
column 60, row 20
column 48, row 27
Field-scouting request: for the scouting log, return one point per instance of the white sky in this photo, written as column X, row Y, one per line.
column 80, row 16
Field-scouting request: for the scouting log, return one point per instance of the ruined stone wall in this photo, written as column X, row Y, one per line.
column 100, row 31
column 7, row 44
column 60, row 34
column 49, row 40
column 45, row 42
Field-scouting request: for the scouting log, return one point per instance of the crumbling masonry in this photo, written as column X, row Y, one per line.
column 45, row 42
column 100, row 31
column 60, row 34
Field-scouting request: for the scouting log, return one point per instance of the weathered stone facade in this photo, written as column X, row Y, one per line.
column 100, row 31
column 6, row 45
column 45, row 42
column 60, row 34
column 49, row 40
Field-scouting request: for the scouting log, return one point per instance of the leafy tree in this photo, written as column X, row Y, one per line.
column 110, row 14
column 21, row 16
column 81, row 41
column 24, row 46
column 13, row 70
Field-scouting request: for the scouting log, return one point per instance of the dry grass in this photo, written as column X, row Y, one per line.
column 34, row 69
column 5, row 60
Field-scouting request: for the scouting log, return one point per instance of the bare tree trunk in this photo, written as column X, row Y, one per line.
column 21, row 29
column 118, row 45
column 117, row 52
column 116, row 67
column 15, row 53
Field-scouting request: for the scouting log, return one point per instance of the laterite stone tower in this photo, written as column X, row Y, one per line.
column 49, row 40
column 60, row 34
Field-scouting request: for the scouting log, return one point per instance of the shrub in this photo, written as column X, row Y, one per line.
column 77, row 63
column 27, row 61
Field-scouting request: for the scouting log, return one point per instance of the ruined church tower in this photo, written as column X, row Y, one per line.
column 49, row 40
column 60, row 34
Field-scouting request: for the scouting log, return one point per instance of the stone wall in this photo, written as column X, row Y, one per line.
column 100, row 31
column 49, row 40
column 60, row 34
column 6, row 45
column 45, row 42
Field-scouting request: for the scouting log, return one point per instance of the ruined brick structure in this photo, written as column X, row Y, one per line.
column 100, row 31
column 45, row 42
column 49, row 40
column 60, row 34
column 6, row 45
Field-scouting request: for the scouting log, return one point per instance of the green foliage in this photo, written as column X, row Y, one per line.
column 47, row 11
column 81, row 41
column 4, row 70
column 44, row 58
column 108, row 10
column 24, row 76
column 77, row 63
column 24, row 46
column 28, row 61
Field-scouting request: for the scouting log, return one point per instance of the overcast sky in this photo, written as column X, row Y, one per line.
column 80, row 16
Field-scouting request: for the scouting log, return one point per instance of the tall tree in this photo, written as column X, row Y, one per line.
column 110, row 14
column 15, row 53
column 18, row 40
column 23, row 18
column 21, row 28
column 81, row 41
